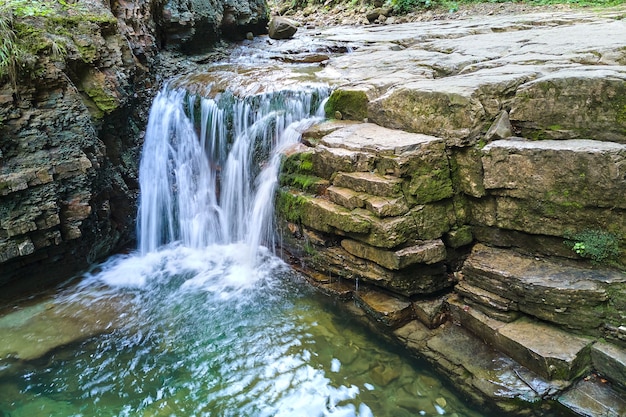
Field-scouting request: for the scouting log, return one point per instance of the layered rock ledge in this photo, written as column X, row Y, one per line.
column 470, row 197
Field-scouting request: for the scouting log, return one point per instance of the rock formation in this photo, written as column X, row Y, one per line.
column 479, row 182
column 71, row 120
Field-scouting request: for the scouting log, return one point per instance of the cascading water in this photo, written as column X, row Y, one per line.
column 202, row 320
column 217, row 187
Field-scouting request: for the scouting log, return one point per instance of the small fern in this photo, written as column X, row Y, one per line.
column 598, row 245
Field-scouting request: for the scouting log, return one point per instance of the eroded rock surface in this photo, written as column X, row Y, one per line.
column 476, row 156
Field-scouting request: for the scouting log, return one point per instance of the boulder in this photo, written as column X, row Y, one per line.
column 281, row 28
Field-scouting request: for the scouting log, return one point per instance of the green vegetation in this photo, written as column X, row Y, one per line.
column 289, row 206
column 30, row 28
column 407, row 6
column 352, row 104
column 598, row 245
column 10, row 52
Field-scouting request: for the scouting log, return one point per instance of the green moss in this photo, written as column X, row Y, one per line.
column 298, row 163
column 430, row 184
column 105, row 102
column 309, row 183
column 352, row 104
column 289, row 205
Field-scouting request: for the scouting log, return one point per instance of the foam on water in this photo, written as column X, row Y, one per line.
column 217, row 188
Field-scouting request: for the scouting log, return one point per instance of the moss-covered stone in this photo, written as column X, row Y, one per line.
column 352, row 104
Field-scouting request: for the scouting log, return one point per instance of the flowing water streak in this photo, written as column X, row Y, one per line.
column 215, row 184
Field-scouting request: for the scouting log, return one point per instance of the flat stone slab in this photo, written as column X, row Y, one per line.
column 376, row 139
column 546, row 350
column 369, row 183
column 390, row 311
column 592, row 398
column 476, row 370
column 610, row 361
column 570, row 173
column 39, row 329
column 560, row 293
column 428, row 252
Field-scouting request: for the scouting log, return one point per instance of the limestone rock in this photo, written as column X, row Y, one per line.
column 552, row 353
column 568, row 173
column 431, row 312
column 581, row 102
column 591, row 397
column 501, row 127
column 424, row 253
column 567, row 295
column 391, row 311
column 373, row 184
column 281, row 28
column 610, row 361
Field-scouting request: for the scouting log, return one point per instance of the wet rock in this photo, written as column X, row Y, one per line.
column 610, row 361
column 383, row 375
column 430, row 312
column 546, row 350
column 39, row 329
column 390, row 311
column 335, row 261
column 590, row 397
column 282, row 28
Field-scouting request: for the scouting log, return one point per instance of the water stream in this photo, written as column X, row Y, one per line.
column 203, row 319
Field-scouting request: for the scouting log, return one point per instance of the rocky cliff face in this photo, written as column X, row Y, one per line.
column 74, row 96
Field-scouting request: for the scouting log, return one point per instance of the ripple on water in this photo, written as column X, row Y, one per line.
column 207, row 335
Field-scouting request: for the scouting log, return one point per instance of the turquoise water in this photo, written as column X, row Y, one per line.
column 189, row 332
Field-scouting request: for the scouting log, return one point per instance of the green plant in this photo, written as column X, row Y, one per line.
column 597, row 245
column 10, row 51
column 405, row 6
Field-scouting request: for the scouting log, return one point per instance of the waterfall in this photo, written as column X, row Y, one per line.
column 209, row 166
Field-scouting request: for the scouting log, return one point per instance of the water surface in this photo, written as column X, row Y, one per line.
column 204, row 332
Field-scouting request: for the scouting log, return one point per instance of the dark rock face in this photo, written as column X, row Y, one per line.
column 197, row 24
column 70, row 151
column 71, row 125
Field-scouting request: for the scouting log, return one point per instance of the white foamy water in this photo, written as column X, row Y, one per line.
column 214, row 183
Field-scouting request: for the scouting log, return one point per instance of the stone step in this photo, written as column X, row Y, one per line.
column 327, row 161
column 427, row 252
column 491, row 304
column 610, row 361
column 431, row 312
column 389, row 310
column 591, row 397
column 370, row 183
column 568, row 294
column 568, row 173
column 380, row 206
column 544, row 349
column 477, row 370
column 379, row 140
column 326, row 216
column 335, row 262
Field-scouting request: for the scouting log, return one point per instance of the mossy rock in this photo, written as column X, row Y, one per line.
column 352, row 104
